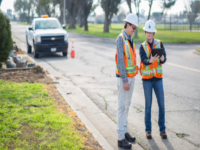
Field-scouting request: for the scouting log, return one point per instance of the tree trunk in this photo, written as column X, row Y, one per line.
column 106, row 24
column 136, row 31
column 150, row 4
column 81, row 22
column 129, row 5
column 85, row 23
column 81, row 18
column 136, row 34
column 71, row 24
column 190, row 27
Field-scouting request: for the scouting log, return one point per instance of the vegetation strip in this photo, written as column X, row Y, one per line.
column 33, row 117
column 166, row 36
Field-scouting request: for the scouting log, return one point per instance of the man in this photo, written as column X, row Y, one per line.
column 126, row 70
column 151, row 71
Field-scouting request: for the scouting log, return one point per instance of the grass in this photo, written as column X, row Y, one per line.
column 166, row 36
column 25, row 23
column 29, row 119
column 198, row 49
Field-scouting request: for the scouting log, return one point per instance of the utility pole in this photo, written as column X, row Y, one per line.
column 64, row 12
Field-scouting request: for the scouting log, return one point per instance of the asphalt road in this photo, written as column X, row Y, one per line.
column 93, row 71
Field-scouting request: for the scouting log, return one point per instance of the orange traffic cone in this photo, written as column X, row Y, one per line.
column 72, row 51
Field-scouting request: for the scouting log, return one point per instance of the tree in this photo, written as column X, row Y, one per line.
column 157, row 16
column 129, row 5
column 72, row 6
column 81, row 17
column 6, row 43
column 137, row 6
column 0, row 2
column 167, row 4
column 150, row 5
column 25, row 8
column 86, row 7
column 110, row 7
column 192, row 8
column 45, row 7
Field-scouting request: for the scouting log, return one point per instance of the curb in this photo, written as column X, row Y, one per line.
column 101, row 140
column 198, row 53
column 63, row 85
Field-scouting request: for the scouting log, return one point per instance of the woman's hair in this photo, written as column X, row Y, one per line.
column 153, row 33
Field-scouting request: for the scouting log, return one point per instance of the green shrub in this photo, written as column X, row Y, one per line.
column 6, row 44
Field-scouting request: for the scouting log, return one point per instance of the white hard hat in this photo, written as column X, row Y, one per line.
column 132, row 19
column 150, row 26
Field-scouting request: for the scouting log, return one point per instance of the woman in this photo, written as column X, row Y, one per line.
column 151, row 72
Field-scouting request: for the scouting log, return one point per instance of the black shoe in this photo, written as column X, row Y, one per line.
column 124, row 144
column 148, row 135
column 163, row 135
column 129, row 138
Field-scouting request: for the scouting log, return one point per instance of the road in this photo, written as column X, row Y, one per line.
column 93, row 71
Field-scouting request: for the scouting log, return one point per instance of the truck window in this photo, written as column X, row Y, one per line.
column 47, row 24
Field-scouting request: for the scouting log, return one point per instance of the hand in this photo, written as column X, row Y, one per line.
column 162, row 58
column 152, row 59
column 126, row 86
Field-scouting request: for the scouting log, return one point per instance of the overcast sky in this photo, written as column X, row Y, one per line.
column 179, row 6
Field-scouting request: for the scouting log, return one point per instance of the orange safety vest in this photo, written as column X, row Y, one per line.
column 129, row 58
column 154, row 69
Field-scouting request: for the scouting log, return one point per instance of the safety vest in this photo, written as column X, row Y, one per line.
column 154, row 69
column 129, row 58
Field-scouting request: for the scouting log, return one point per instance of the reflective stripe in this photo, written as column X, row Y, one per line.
column 159, row 70
column 147, row 53
column 128, row 53
column 148, row 72
column 131, row 70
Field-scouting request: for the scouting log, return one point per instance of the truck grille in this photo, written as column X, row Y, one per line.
column 52, row 39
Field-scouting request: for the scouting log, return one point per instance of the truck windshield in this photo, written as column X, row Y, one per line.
column 47, row 24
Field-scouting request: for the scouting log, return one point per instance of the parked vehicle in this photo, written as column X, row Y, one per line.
column 46, row 35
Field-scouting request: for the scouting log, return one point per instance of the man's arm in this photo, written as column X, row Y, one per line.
column 120, row 59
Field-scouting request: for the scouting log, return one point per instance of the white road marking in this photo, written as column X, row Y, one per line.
column 182, row 67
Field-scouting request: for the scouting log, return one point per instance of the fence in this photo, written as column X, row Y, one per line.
column 177, row 23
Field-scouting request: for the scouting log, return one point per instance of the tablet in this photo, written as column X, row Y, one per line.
column 158, row 51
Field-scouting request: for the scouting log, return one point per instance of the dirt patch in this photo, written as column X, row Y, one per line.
column 38, row 75
column 19, row 51
column 27, row 76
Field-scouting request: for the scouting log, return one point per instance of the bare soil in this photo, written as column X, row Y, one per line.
column 19, row 51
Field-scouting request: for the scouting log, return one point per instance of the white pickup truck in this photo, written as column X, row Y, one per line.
column 46, row 35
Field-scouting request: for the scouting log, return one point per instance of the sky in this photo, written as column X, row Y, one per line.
column 179, row 6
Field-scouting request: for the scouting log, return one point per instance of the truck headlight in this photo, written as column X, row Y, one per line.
column 66, row 37
column 37, row 38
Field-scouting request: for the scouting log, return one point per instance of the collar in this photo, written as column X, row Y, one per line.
column 154, row 41
column 126, row 36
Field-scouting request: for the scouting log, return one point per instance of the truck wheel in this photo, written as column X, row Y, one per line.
column 64, row 53
column 28, row 46
column 36, row 55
